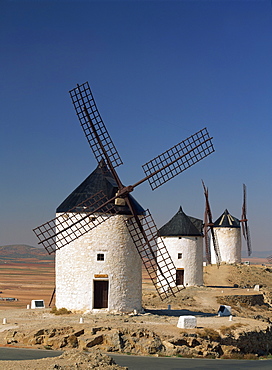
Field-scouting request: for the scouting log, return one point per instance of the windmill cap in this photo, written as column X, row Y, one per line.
column 100, row 179
column 227, row 220
column 182, row 225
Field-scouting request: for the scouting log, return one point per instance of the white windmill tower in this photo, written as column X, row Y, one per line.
column 183, row 238
column 100, row 240
column 228, row 234
column 104, row 258
column 225, row 244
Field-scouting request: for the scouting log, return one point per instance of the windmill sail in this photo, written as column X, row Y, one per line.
column 244, row 220
column 178, row 158
column 208, row 218
column 92, row 124
column 70, row 225
column 206, row 237
column 154, row 255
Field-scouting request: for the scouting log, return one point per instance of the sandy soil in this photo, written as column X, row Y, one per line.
column 34, row 281
column 25, row 281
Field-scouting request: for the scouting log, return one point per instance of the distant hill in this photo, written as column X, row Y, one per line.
column 21, row 251
column 257, row 254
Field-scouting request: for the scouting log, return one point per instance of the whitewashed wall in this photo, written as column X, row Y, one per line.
column 229, row 243
column 76, row 266
column 192, row 257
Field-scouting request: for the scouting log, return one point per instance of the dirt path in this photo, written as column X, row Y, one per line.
column 217, row 276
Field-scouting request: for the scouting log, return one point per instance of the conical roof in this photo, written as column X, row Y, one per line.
column 182, row 225
column 227, row 220
column 100, row 179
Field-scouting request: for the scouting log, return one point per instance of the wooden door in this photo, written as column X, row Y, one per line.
column 180, row 277
column 101, row 290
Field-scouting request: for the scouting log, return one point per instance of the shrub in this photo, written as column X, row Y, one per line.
column 228, row 330
column 61, row 311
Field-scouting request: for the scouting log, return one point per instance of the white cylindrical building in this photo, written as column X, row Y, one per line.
column 183, row 238
column 227, row 231
column 101, row 269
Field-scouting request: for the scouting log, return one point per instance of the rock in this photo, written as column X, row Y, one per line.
column 72, row 341
column 88, row 342
column 186, row 322
column 202, row 343
column 193, row 342
column 79, row 333
column 267, row 295
column 77, row 360
column 113, row 340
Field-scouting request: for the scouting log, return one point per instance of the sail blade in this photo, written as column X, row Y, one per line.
column 154, row 254
column 93, row 125
column 69, row 226
column 177, row 159
column 208, row 219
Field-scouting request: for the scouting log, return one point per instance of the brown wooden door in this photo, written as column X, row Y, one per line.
column 179, row 277
column 101, row 289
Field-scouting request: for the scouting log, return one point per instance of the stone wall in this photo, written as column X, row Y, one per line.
column 243, row 300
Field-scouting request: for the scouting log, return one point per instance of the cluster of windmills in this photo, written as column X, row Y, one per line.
column 101, row 235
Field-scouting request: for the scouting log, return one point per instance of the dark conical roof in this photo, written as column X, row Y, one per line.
column 227, row 220
column 100, row 179
column 182, row 225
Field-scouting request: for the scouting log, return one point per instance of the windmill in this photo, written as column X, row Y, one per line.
column 74, row 224
column 225, row 231
column 183, row 237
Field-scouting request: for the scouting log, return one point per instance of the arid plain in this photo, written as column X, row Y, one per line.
column 25, row 276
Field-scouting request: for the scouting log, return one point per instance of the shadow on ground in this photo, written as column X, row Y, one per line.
column 221, row 286
column 177, row 313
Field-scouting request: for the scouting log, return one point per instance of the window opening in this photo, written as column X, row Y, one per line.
column 100, row 257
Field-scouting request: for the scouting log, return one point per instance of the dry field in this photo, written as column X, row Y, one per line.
column 28, row 279
column 25, row 280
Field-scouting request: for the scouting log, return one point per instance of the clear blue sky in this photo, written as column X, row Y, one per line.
column 159, row 71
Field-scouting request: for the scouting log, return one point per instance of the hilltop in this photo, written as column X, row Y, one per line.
column 151, row 332
column 23, row 253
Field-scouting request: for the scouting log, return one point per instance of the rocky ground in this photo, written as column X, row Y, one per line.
column 154, row 332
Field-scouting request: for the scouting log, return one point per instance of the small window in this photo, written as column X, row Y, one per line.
column 100, row 257
column 179, row 256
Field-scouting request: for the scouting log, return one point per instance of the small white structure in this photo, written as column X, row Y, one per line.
column 187, row 322
column 183, row 238
column 228, row 234
column 37, row 303
column 101, row 270
column 224, row 310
